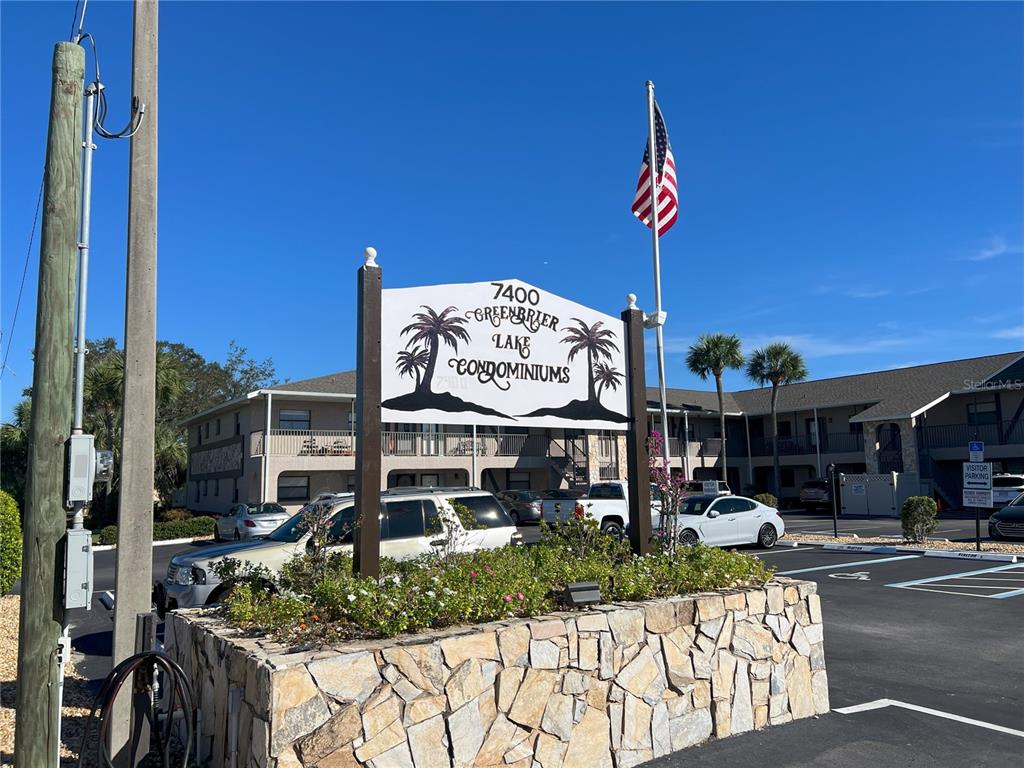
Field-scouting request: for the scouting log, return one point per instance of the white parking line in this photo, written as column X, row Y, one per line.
column 834, row 566
column 882, row 703
column 1010, row 575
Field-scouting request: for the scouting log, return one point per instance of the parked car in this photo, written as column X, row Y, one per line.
column 725, row 521
column 522, row 506
column 249, row 521
column 410, row 519
column 815, row 494
column 1008, row 522
column 607, row 502
column 1006, row 487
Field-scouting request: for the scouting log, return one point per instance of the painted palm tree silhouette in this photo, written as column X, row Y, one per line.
column 411, row 362
column 432, row 328
column 606, row 377
column 596, row 341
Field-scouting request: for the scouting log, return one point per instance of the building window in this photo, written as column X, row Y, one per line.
column 787, row 477
column 785, row 429
column 206, row 430
column 856, row 427
column 218, row 426
column 238, row 424
column 979, row 414
column 293, row 488
column 430, row 481
column 292, row 419
column 519, row 481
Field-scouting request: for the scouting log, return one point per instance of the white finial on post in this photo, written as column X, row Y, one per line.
column 370, row 257
column 631, row 301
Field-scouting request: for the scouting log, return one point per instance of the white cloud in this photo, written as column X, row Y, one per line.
column 868, row 293
column 997, row 246
column 813, row 346
column 1009, row 333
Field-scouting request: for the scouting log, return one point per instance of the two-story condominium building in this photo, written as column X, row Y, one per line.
column 294, row 441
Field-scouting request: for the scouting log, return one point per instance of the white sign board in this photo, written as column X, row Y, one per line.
column 500, row 353
column 978, row 497
column 976, row 449
column 978, row 475
column 709, row 487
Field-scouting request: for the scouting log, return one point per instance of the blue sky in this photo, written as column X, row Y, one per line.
column 851, row 174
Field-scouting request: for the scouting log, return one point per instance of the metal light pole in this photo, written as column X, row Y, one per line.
column 835, row 500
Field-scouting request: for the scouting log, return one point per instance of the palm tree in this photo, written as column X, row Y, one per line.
column 710, row 356
column 411, row 362
column 431, row 327
column 776, row 364
column 606, row 376
column 596, row 342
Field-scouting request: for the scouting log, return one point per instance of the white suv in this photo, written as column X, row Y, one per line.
column 1006, row 488
column 407, row 518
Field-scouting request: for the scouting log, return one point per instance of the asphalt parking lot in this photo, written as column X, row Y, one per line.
column 952, row 654
column 943, row 636
column 954, row 526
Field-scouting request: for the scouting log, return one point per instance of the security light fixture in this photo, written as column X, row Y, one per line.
column 581, row 593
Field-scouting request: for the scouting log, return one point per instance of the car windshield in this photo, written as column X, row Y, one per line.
column 291, row 530
column 1018, row 502
column 696, row 505
column 486, row 510
column 527, row 496
column 1007, row 482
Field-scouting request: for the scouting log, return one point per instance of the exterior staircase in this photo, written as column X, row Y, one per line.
column 568, row 458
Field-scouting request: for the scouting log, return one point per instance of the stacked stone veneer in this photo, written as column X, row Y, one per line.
column 609, row 687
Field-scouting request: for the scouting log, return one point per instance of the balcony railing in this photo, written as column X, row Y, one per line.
column 305, row 442
column 958, row 435
column 832, row 442
column 461, row 444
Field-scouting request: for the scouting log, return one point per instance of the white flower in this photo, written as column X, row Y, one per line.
column 351, row 598
column 431, row 593
column 363, row 592
column 396, row 579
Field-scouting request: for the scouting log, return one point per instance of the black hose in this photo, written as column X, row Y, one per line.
column 178, row 692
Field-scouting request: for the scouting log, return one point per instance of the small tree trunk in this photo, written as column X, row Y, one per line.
column 721, row 423
column 775, row 441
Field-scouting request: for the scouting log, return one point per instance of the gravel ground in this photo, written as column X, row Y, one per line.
column 1004, row 547
column 77, row 699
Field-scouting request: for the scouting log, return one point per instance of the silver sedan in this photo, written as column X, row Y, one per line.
column 245, row 521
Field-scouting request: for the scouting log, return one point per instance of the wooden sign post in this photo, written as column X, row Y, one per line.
column 366, row 555
column 636, row 439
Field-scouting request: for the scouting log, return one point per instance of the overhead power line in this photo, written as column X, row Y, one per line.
column 21, row 288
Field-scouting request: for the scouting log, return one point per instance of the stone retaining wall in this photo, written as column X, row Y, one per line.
column 613, row 686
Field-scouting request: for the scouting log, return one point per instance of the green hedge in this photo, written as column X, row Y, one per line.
column 174, row 529
column 10, row 543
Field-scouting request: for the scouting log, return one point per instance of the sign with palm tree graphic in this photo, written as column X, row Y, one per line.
column 500, row 353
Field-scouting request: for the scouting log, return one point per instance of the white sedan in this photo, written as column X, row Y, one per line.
column 724, row 521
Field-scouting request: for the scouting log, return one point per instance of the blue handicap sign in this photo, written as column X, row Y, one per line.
column 975, row 446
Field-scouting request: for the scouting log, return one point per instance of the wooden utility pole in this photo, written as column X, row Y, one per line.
column 637, row 468
column 366, row 554
column 134, row 574
column 42, row 613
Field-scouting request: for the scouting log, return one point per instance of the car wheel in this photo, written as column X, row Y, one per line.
column 613, row 528
column 767, row 536
column 689, row 538
column 515, row 518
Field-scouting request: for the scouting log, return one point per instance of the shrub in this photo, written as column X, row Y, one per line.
column 304, row 603
column 767, row 499
column 10, row 542
column 918, row 516
column 193, row 527
column 175, row 514
column 107, row 535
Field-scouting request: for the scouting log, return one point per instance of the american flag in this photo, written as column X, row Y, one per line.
column 668, row 194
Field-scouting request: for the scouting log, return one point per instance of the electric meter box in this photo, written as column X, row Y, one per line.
column 78, row 569
column 81, row 470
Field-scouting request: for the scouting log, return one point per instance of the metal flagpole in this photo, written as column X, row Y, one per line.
column 659, row 319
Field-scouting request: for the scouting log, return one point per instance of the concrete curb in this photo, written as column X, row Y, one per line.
column 882, row 549
column 168, row 542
